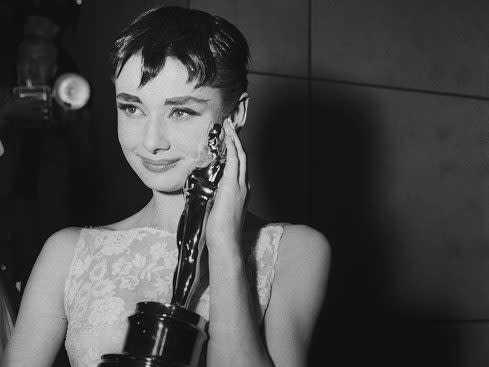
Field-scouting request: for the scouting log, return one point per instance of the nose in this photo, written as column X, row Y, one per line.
column 156, row 135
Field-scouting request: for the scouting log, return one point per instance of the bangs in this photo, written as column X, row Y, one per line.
column 214, row 52
column 170, row 35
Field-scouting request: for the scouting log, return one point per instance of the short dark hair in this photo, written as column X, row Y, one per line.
column 213, row 50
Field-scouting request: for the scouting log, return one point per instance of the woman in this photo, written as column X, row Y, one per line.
column 175, row 72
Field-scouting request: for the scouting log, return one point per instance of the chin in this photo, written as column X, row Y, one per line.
column 164, row 182
column 169, row 188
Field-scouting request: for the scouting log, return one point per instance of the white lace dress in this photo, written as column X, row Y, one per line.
column 113, row 270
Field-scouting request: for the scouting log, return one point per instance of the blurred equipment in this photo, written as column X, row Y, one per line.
column 37, row 68
column 71, row 91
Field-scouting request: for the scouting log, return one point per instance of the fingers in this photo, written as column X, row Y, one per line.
column 237, row 155
column 232, row 162
column 241, row 157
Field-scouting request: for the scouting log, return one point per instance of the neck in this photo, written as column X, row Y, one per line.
column 163, row 211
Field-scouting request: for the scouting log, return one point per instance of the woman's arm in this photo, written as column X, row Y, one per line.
column 235, row 338
column 297, row 295
column 298, row 292
column 41, row 323
column 233, row 329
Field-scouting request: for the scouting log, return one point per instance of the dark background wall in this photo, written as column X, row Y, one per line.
column 368, row 121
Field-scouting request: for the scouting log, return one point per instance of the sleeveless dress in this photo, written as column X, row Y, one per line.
column 112, row 270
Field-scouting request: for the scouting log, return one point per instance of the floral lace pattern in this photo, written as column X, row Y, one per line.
column 111, row 271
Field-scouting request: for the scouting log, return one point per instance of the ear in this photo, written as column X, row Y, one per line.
column 238, row 115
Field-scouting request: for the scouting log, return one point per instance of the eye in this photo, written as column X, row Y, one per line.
column 129, row 109
column 182, row 113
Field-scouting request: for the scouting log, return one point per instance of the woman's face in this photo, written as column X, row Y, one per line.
column 163, row 125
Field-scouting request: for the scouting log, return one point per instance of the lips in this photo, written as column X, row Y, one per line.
column 160, row 165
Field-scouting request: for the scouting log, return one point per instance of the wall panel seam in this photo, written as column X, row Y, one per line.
column 376, row 86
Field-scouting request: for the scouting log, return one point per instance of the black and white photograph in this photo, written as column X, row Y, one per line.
column 244, row 183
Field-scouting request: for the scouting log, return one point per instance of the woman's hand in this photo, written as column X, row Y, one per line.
column 226, row 216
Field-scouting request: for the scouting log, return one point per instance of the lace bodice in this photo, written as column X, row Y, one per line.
column 113, row 270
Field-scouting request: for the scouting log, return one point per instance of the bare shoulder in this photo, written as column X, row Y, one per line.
column 67, row 235
column 63, row 240
column 303, row 264
column 60, row 247
column 302, row 245
column 52, row 264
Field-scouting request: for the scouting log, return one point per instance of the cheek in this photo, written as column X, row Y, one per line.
column 191, row 142
column 128, row 136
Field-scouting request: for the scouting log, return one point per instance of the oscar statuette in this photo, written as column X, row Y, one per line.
column 171, row 335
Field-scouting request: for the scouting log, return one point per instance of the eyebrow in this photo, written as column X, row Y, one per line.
column 184, row 100
column 128, row 97
column 169, row 101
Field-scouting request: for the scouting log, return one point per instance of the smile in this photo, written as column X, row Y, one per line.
column 160, row 165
